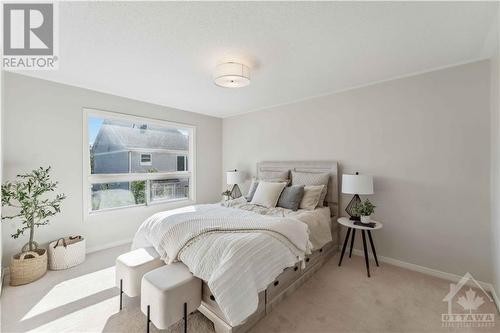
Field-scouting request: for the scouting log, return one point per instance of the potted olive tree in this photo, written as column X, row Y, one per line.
column 365, row 209
column 28, row 196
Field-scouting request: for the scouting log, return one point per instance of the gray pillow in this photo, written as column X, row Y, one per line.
column 290, row 197
column 252, row 189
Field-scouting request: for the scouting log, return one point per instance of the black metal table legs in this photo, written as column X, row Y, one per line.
column 366, row 254
column 373, row 246
column 345, row 244
column 352, row 241
column 365, row 249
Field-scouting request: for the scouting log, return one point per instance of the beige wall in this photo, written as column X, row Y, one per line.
column 495, row 166
column 42, row 126
column 426, row 140
column 1, row 158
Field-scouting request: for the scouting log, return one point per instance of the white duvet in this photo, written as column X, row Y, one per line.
column 238, row 252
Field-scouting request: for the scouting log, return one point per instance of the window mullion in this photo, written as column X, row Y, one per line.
column 126, row 177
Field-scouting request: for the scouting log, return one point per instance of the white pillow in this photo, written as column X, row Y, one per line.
column 312, row 195
column 267, row 194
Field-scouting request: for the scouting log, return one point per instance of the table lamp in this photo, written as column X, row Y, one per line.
column 235, row 177
column 356, row 184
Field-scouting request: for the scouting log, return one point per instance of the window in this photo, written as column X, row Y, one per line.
column 146, row 159
column 181, row 163
column 132, row 161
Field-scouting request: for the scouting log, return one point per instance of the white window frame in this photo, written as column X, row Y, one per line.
column 89, row 179
column 146, row 163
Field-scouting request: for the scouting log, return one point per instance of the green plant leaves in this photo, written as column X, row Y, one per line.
column 27, row 195
column 365, row 208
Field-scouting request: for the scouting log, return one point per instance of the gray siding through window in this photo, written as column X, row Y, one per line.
column 160, row 162
column 112, row 162
column 118, row 147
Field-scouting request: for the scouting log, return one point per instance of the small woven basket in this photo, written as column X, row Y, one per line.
column 28, row 266
column 66, row 252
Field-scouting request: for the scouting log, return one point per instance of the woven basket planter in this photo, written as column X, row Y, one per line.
column 66, row 252
column 28, row 266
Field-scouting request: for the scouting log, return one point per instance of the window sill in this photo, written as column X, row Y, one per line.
column 168, row 204
column 171, row 201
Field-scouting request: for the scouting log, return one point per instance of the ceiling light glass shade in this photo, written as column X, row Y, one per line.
column 357, row 184
column 232, row 75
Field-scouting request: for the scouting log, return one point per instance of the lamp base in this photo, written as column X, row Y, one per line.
column 351, row 206
column 235, row 192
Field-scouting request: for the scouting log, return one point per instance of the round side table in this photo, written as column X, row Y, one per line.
column 353, row 227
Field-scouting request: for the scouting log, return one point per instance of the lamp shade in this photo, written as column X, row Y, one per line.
column 357, row 184
column 235, row 177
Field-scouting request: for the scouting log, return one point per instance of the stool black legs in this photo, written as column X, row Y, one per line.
column 148, row 320
column 185, row 318
column 352, row 241
column 366, row 253
column 373, row 246
column 365, row 249
column 345, row 244
column 121, row 293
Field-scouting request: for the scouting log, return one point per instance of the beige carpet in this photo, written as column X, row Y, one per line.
column 336, row 299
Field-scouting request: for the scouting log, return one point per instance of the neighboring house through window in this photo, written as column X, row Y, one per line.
column 136, row 161
column 181, row 163
column 146, row 159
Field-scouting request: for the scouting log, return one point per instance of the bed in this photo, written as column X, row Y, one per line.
column 249, row 258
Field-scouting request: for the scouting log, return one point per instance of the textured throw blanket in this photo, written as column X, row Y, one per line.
column 239, row 253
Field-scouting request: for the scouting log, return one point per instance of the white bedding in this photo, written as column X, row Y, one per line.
column 238, row 252
column 317, row 220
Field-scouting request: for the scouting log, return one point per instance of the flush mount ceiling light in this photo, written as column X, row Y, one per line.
column 232, row 75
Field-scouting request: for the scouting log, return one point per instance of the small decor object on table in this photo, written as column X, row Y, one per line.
column 352, row 226
column 28, row 195
column 356, row 184
column 66, row 252
column 365, row 209
column 226, row 195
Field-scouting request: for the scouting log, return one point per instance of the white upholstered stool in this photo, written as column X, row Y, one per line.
column 168, row 294
column 130, row 268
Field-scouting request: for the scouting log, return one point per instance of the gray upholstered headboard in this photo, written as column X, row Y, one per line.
column 332, row 196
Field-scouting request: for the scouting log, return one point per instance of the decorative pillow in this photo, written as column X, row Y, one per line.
column 312, row 195
column 255, row 183
column 311, row 178
column 267, row 194
column 291, row 196
column 251, row 190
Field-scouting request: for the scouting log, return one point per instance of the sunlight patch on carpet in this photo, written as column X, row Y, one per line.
column 73, row 290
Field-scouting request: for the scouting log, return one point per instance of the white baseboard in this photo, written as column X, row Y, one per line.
column 108, row 245
column 5, row 270
column 433, row 272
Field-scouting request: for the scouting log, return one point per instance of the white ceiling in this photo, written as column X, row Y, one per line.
column 165, row 53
